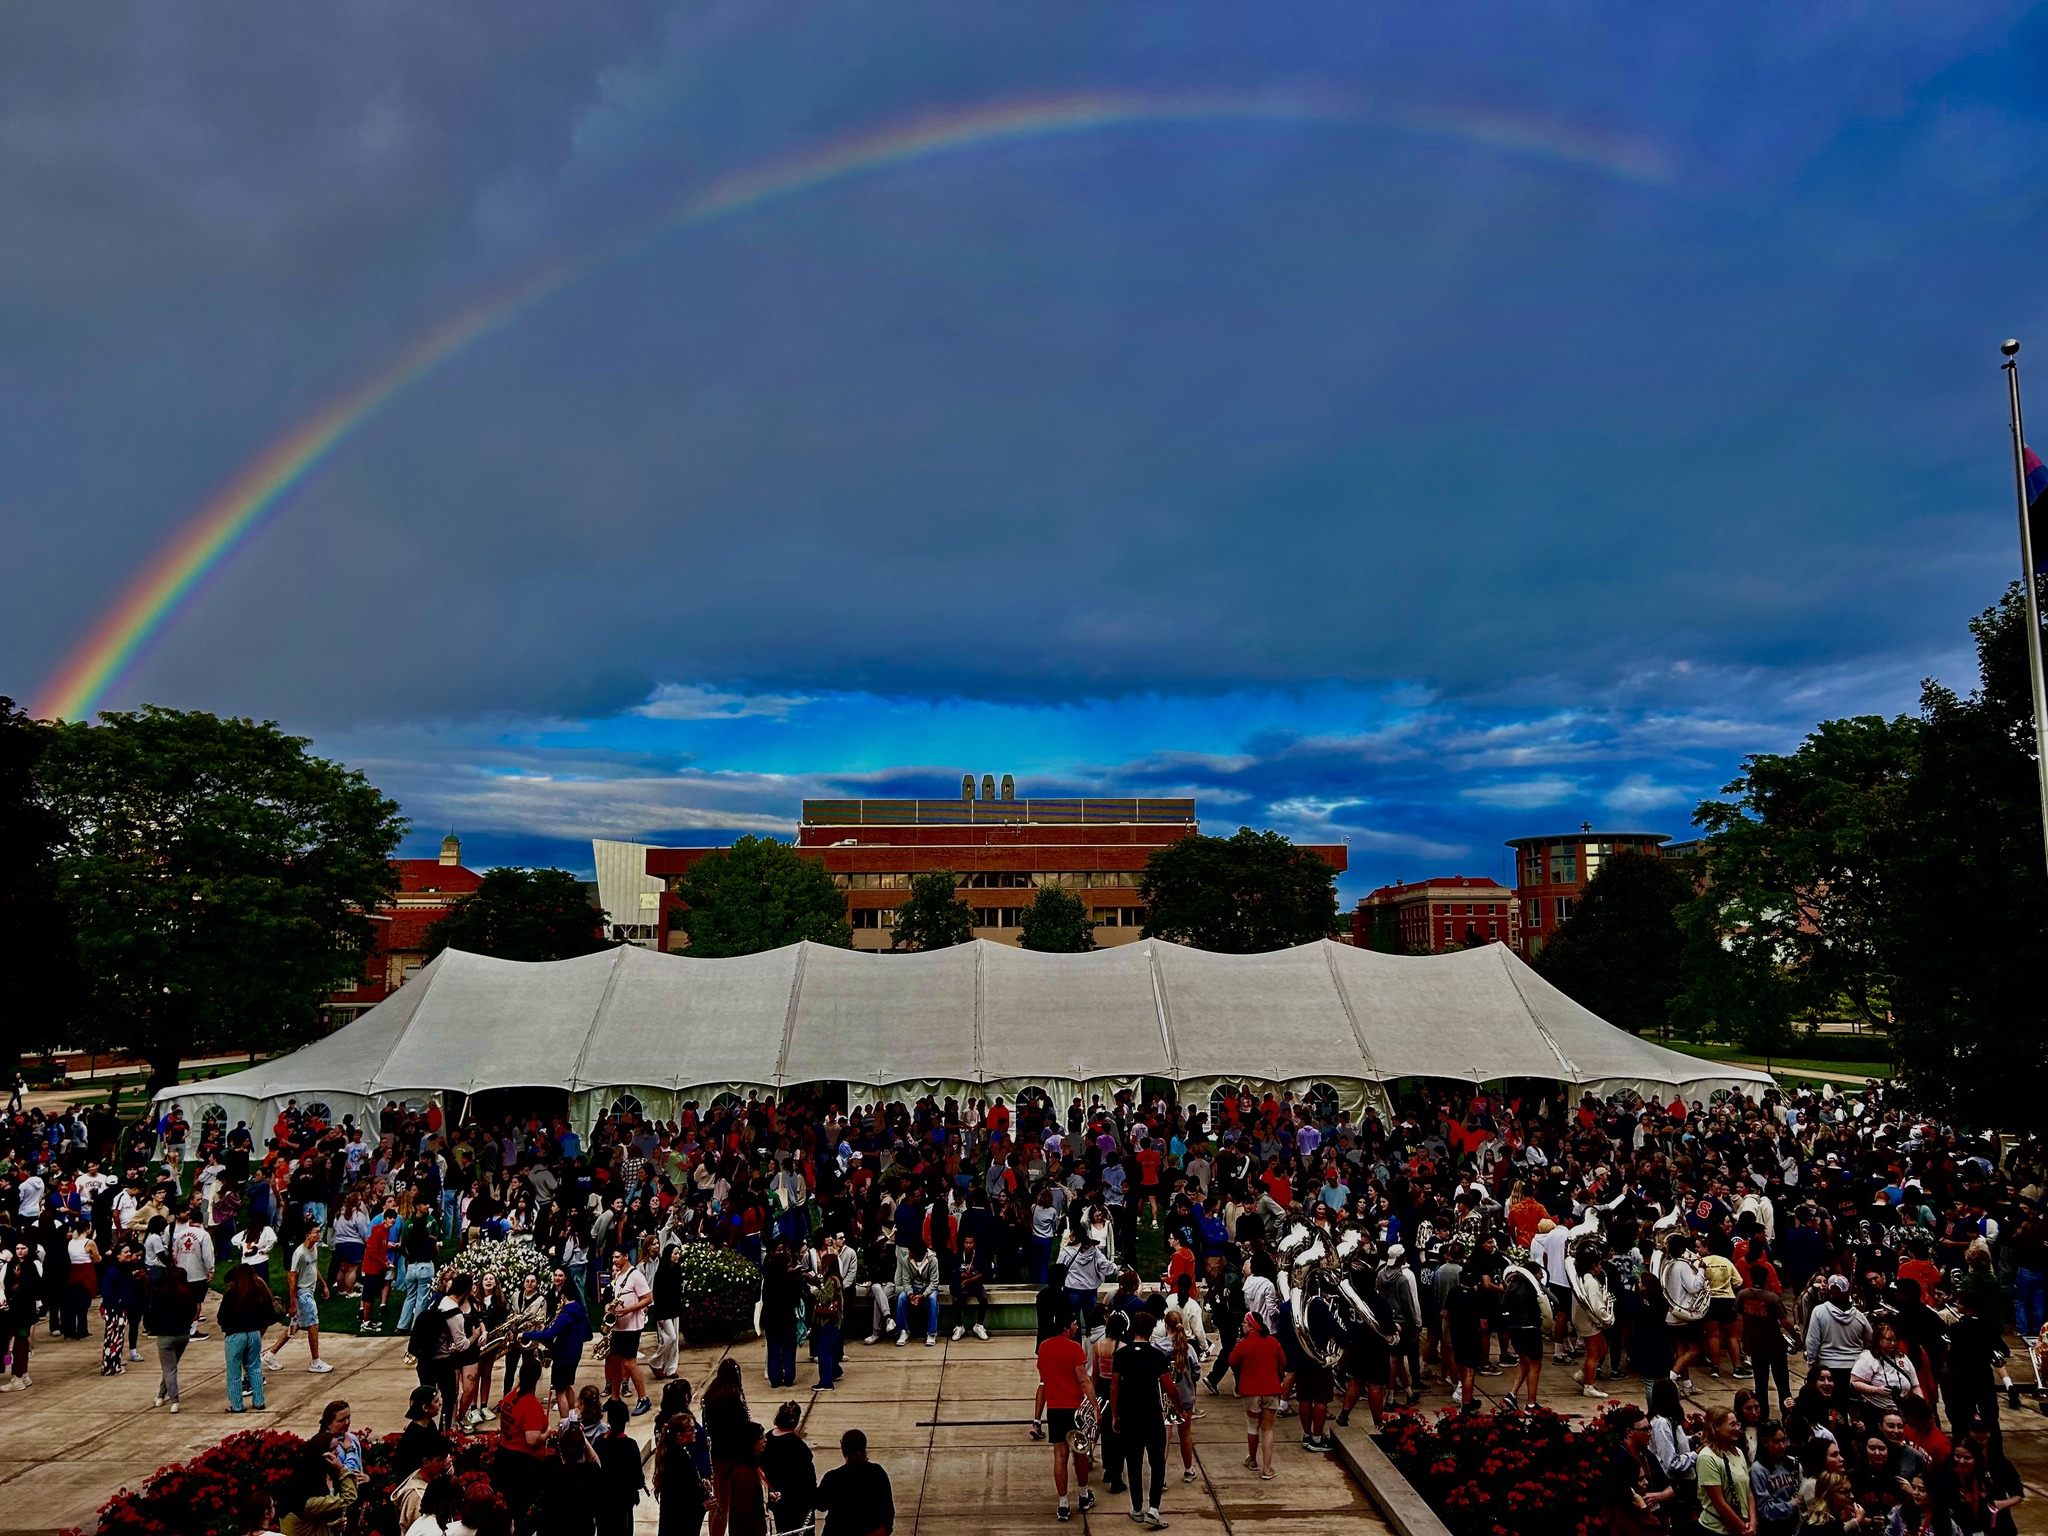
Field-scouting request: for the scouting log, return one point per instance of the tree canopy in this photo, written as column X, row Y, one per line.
column 219, row 877
column 760, row 894
column 522, row 914
column 934, row 917
column 1618, row 953
column 1892, row 869
column 1238, row 895
column 1055, row 921
column 41, row 986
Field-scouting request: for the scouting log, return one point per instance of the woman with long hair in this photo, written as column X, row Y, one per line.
column 678, row 1485
column 1183, row 1368
column 731, row 1431
column 245, row 1314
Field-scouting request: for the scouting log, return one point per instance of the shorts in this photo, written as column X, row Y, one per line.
column 1528, row 1343
column 1721, row 1309
column 306, row 1312
column 348, row 1253
column 1687, row 1333
column 625, row 1344
column 1313, row 1383
column 1254, row 1406
column 1561, row 1300
column 1368, row 1366
column 562, row 1373
column 1059, row 1423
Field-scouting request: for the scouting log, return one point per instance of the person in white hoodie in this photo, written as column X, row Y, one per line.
column 1592, row 1312
column 1836, row 1335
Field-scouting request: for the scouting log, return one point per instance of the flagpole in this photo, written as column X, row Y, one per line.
column 2035, row 676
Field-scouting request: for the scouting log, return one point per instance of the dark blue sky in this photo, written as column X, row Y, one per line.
column 1426, row 478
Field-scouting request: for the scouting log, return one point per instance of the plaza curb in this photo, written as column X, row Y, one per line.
column 1392, row 1493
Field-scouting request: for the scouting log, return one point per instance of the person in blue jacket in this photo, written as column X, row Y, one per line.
column 564, row 1338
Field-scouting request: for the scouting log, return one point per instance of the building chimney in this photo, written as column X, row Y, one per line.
column 451, row 849
column 1009, row 787
column 988, row 786
column 966, row 786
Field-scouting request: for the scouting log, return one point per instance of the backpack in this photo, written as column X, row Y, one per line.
column 428, row 1330
column 1545, row 1311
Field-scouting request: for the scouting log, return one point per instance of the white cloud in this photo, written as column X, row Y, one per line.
column 1522, row 794
column 692, row 701
column 1640, row 792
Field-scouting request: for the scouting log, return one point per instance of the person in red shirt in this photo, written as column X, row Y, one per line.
column 522, row 1441
column 1150, row 1160
column 1261, row 1366
column 1063, row 1371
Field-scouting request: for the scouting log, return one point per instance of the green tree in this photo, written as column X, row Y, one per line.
column 1238, row 895
column 1055, row 921
column 934, row 917
column 760, row 894
column 219, row 876
column 41, row 986
column 1965, row 935
column 1618, row 954
column 1797, row 861
column 1733, row 978
column 523, row 914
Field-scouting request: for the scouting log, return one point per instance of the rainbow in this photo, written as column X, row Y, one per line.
column 227, row 523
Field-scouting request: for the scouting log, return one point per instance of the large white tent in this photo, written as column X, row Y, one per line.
column 980, row 1018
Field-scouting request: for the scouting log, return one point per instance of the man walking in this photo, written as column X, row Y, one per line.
column 1064, row 1379
column 304, row 1271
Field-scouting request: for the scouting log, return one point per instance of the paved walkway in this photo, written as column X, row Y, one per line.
column 944, row 1421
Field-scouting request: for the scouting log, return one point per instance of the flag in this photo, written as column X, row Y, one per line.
column 2037, row 507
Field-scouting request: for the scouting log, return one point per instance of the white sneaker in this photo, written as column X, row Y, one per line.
column 980, row 1332
column 873, row 1338
column 269, row 1360
column 319, row 1367
column 1587, row 1389
column 930, row 1339
column 11, row 1384
column 902, row 1339
column 959, row 1334
column 174, row 1405
column 158, row 1400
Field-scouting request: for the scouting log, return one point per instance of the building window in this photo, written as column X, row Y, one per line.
column 1471, row 933
column 873, row 917
column 1134, row 917
column 1447, row 933
column 1564, row 908
column 1532, row 912
column 1564, row 866
column 1493, row 930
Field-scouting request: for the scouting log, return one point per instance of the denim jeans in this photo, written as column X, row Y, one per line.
column 245, row 1363
column 1039, row 1255
column 830, row 1346
column 930, row 1309
column 781, row 1357
column 419, row 1292
column 2029, row 1300
column 451, row 1215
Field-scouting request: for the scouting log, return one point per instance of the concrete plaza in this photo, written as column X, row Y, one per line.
column 947, row 1422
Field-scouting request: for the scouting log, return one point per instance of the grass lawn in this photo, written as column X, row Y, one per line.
column 1781, row 1067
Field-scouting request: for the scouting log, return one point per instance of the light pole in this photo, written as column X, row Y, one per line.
column 2028, row 568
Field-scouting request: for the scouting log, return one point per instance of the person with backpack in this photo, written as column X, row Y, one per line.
column 1593, row 1311
column 1527, row 1309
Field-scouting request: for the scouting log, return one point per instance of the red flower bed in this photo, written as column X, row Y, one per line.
column 202, row 1497
column 1509, row 1473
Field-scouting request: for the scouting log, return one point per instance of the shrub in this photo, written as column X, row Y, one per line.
column 1508, row 1473
column 719, row 1291
column 510, row 1261
column 202, row 1497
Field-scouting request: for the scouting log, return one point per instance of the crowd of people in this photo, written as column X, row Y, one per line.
column 1305, row 1256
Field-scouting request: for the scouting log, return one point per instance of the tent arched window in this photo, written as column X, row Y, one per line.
column 725, row 1101
column 213, row 1122
column 1323, row 1102
column 627, row 1104
column 316, row 1109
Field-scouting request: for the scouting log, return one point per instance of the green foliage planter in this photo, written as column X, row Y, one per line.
column 719, row 1292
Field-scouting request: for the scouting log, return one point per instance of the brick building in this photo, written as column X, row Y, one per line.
column 1430, row 916
column 1000, row 848
column 427, row 888
column 1550, row 871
